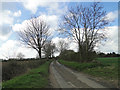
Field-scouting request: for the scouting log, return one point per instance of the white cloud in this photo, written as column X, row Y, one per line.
column 52, row 7
column 5, row 37
column 71, row 44
column 111, row 16
column 17, row 14
column 7, row 49
column 111, row 45
column 28, row 52
column 33, row 5
column 5, row 32
column 18, row 27
column 11, row 48
column 5, row 17
column 52, row 20
column 5, row 22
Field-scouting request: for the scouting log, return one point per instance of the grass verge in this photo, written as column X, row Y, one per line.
column 106, row 69
column 35, row 78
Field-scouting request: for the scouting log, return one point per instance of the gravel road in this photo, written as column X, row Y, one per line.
column 63, row 77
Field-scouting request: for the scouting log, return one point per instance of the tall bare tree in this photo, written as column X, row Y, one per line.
column 35, row 34
column 85, row 25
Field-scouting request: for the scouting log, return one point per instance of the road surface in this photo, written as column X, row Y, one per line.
column 63, row 77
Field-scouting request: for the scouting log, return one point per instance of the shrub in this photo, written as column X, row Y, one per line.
column 12, row 69
column 70, row 55
column 15, row 68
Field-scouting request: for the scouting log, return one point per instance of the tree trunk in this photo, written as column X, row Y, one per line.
column 39, row 52
column 80, row 56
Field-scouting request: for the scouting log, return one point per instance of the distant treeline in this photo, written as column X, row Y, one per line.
column 113, row 54
column 70, row 55
column 22, row 59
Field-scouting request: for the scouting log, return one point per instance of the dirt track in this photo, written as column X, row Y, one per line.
column 63, row 77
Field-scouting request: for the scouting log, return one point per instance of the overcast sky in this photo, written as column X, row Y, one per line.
column 14, row 15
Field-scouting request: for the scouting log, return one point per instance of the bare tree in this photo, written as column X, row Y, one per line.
column 35, row 34
column 20, row 56
column 62, row 45
column 53, row 49
column 49, row 49
column 85, row 25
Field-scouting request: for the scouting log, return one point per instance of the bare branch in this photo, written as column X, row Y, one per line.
column 35, row 34
column 84, row 24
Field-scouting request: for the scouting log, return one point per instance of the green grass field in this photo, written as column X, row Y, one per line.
column 35, row 78
column 106, row 69
column 109, row 60
column 109, row 71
